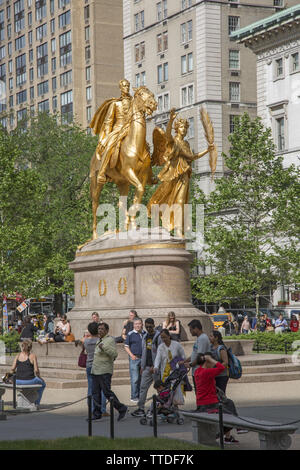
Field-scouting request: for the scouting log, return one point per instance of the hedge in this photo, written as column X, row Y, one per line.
column 271, row 341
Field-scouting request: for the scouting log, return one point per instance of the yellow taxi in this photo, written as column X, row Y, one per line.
column 219, row 318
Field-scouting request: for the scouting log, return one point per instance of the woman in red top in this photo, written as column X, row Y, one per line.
column 206, row 392
column 294, row 325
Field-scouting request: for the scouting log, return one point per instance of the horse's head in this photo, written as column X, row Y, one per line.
column 145, row 100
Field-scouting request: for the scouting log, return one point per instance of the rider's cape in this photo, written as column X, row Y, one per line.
column 99, row 116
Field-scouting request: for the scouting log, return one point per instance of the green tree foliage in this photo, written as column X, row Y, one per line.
column 252, row 220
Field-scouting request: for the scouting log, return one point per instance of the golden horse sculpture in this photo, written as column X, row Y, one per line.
column 133, row 163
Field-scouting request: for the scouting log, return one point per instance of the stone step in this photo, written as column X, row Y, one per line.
column 271, row 369
column 257, row 378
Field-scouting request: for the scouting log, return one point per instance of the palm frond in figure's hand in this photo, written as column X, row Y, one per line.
column 210, row 137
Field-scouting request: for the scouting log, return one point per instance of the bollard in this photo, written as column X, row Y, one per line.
column 14, row 391
column 2, row 414
column 112, row 423
column 154, row 416
column 221, row 426
column 90, row 416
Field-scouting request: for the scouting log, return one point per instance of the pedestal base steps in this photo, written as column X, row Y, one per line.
column 59, row 369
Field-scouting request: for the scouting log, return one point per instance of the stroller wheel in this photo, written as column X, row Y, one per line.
column 143, row 421
column 180, row 421
column 170, row 420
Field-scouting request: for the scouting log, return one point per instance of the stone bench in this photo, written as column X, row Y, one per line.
column 26, row 395
column 272, row 436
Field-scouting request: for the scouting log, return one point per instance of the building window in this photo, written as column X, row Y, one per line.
column 66, row 78
column 53, row 64
column 63, row 3
column 140, row 79
column 66, row 106
column 21, row 114
column 30, row 38
column 2, row 52
column 54, row 84
column 64, row 19
column 19, row 15
column 54, row 103
column 87, row 52
column 41, row 32
column 278, row 3
column 8, row 12
column 65, row 44
column 42, row 59
column 162, row 10
column 2, row 26
column 43, row 106
column 186, row 31
column 30, row 54
column 31, row 74
column 234, row 59
column 139, row 21
column 278, row 68
column 162, row 42
column 139, row 52
column 187, row 95
column 163, row 102
column 10, row 66
column 89, row 93
column 88, row 74
column 87, row 33
column 52, row 26
column 186, row 4
column 31, row 92
column 295, row 62
column 9, row 31
column 52, row 7
column 86, row 12
column 162, row 73
column 191, row 129
column 21, row 69
column 232, row 122
column 20, row 43
column 280, row 133
column 40, row 9
column 30, row 18
column 233, row 23
column 187, row 63
column 234, row 91
column 43, row 88
column 89, row 113
column 53, row 45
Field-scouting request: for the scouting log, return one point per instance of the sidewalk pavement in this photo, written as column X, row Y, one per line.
column 71, row 420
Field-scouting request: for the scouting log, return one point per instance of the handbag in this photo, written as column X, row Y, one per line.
column 70, row 338
column 82, row 359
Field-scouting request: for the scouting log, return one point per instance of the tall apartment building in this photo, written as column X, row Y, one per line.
column 59, row 55
column 181, row 50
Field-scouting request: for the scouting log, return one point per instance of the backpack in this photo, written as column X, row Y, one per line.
column 234, row 365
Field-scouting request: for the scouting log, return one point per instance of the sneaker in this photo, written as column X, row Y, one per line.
column 95, row 418
column 230, row 440
column 105, row 414
column 138, row 413
column 242, row 431
column 134, row 400
column 123, row 414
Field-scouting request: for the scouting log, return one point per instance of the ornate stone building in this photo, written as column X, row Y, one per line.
column 276, row 43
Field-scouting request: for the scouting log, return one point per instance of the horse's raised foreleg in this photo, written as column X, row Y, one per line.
column 95, row 190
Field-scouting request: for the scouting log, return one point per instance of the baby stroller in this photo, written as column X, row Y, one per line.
column 167, row 410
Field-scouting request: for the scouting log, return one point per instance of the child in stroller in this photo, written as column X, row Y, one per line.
column 167, row 404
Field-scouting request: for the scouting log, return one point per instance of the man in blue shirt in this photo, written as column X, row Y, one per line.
column 133, row 347
column 280, row 324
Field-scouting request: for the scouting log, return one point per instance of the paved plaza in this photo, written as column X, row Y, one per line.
column 278, row 401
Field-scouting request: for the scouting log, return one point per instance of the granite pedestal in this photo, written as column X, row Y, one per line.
column 145, row 271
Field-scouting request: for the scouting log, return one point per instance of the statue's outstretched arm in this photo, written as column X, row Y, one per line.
column 170, row 125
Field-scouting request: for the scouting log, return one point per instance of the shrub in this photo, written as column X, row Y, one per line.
column 11, row 341
column 270, row 341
